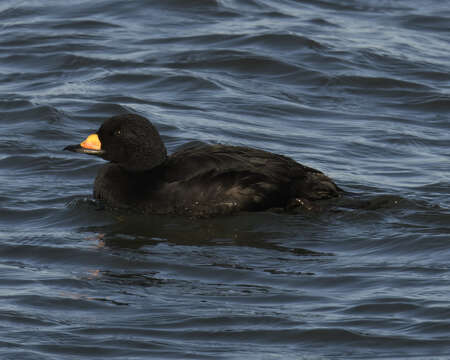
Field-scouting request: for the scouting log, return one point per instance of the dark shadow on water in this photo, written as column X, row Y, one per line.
column 263, row 230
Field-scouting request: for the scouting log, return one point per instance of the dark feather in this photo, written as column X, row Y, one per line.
column 199, row 181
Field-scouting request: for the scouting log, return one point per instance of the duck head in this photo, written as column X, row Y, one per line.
column 130, row 141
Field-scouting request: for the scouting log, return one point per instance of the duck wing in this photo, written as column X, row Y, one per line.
column 233, row 178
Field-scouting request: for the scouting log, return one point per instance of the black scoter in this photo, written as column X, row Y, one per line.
column 200, row 181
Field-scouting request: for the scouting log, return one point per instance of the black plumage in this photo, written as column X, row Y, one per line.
column 198, row 181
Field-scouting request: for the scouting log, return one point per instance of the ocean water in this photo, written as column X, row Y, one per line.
column 357, row 89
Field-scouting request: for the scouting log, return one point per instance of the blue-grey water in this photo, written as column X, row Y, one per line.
column 358, row 89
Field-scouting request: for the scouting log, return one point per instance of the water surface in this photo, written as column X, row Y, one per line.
column 357, row 89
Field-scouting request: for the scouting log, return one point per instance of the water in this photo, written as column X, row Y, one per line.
column 358, row 89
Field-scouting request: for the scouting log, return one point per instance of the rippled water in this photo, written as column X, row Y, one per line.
column 358, row 89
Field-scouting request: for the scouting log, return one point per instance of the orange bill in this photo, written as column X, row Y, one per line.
column 92, row 142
